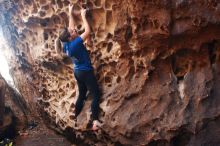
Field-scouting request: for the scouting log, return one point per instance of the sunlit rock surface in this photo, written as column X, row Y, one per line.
column 157, row 63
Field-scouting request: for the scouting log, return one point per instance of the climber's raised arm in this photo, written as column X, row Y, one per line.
column 86, row 33
column 71, row 18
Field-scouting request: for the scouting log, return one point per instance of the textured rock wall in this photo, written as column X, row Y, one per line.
column 157, row 62
column 14, row 111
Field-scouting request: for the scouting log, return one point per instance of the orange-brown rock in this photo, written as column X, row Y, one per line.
column 157, row 62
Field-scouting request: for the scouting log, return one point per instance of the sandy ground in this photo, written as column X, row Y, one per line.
column 40, row 136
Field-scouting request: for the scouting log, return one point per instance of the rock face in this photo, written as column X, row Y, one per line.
column 14, row 111
column 157, row 62
column 2, row 99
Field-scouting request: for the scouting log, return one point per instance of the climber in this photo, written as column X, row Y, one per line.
column 83, row 70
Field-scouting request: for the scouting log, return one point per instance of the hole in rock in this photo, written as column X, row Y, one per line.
column 181, row 64
column 109, row 47
column 72, row 105
column 182, row 138
column 79, row 27
column 128, row 33
column 118, row 79
column 42, row 13
column 72, row 117
column 109, row 36
column 45, row 36
column 56, row 19
column 59, row 3
column 212, row 51
column 107, row 79
column 47, row 7
column 66, row 2
column 215, row 4
column 44, row 22
column 60, row 90
column 63, row 104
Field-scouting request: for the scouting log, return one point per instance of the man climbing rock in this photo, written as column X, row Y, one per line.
column 2, row 99
column 83, row 70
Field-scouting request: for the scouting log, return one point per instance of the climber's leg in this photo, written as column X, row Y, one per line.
column 92, row 86
column 82, row 92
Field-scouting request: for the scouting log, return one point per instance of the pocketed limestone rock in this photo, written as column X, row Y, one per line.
column 156, row 61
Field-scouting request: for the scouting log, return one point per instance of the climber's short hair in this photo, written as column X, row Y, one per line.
column 64, row 35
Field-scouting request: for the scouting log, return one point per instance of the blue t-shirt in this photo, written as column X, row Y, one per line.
column 78, row 53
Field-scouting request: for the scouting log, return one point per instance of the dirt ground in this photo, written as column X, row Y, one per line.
column 42, row 140
column 40, row 136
